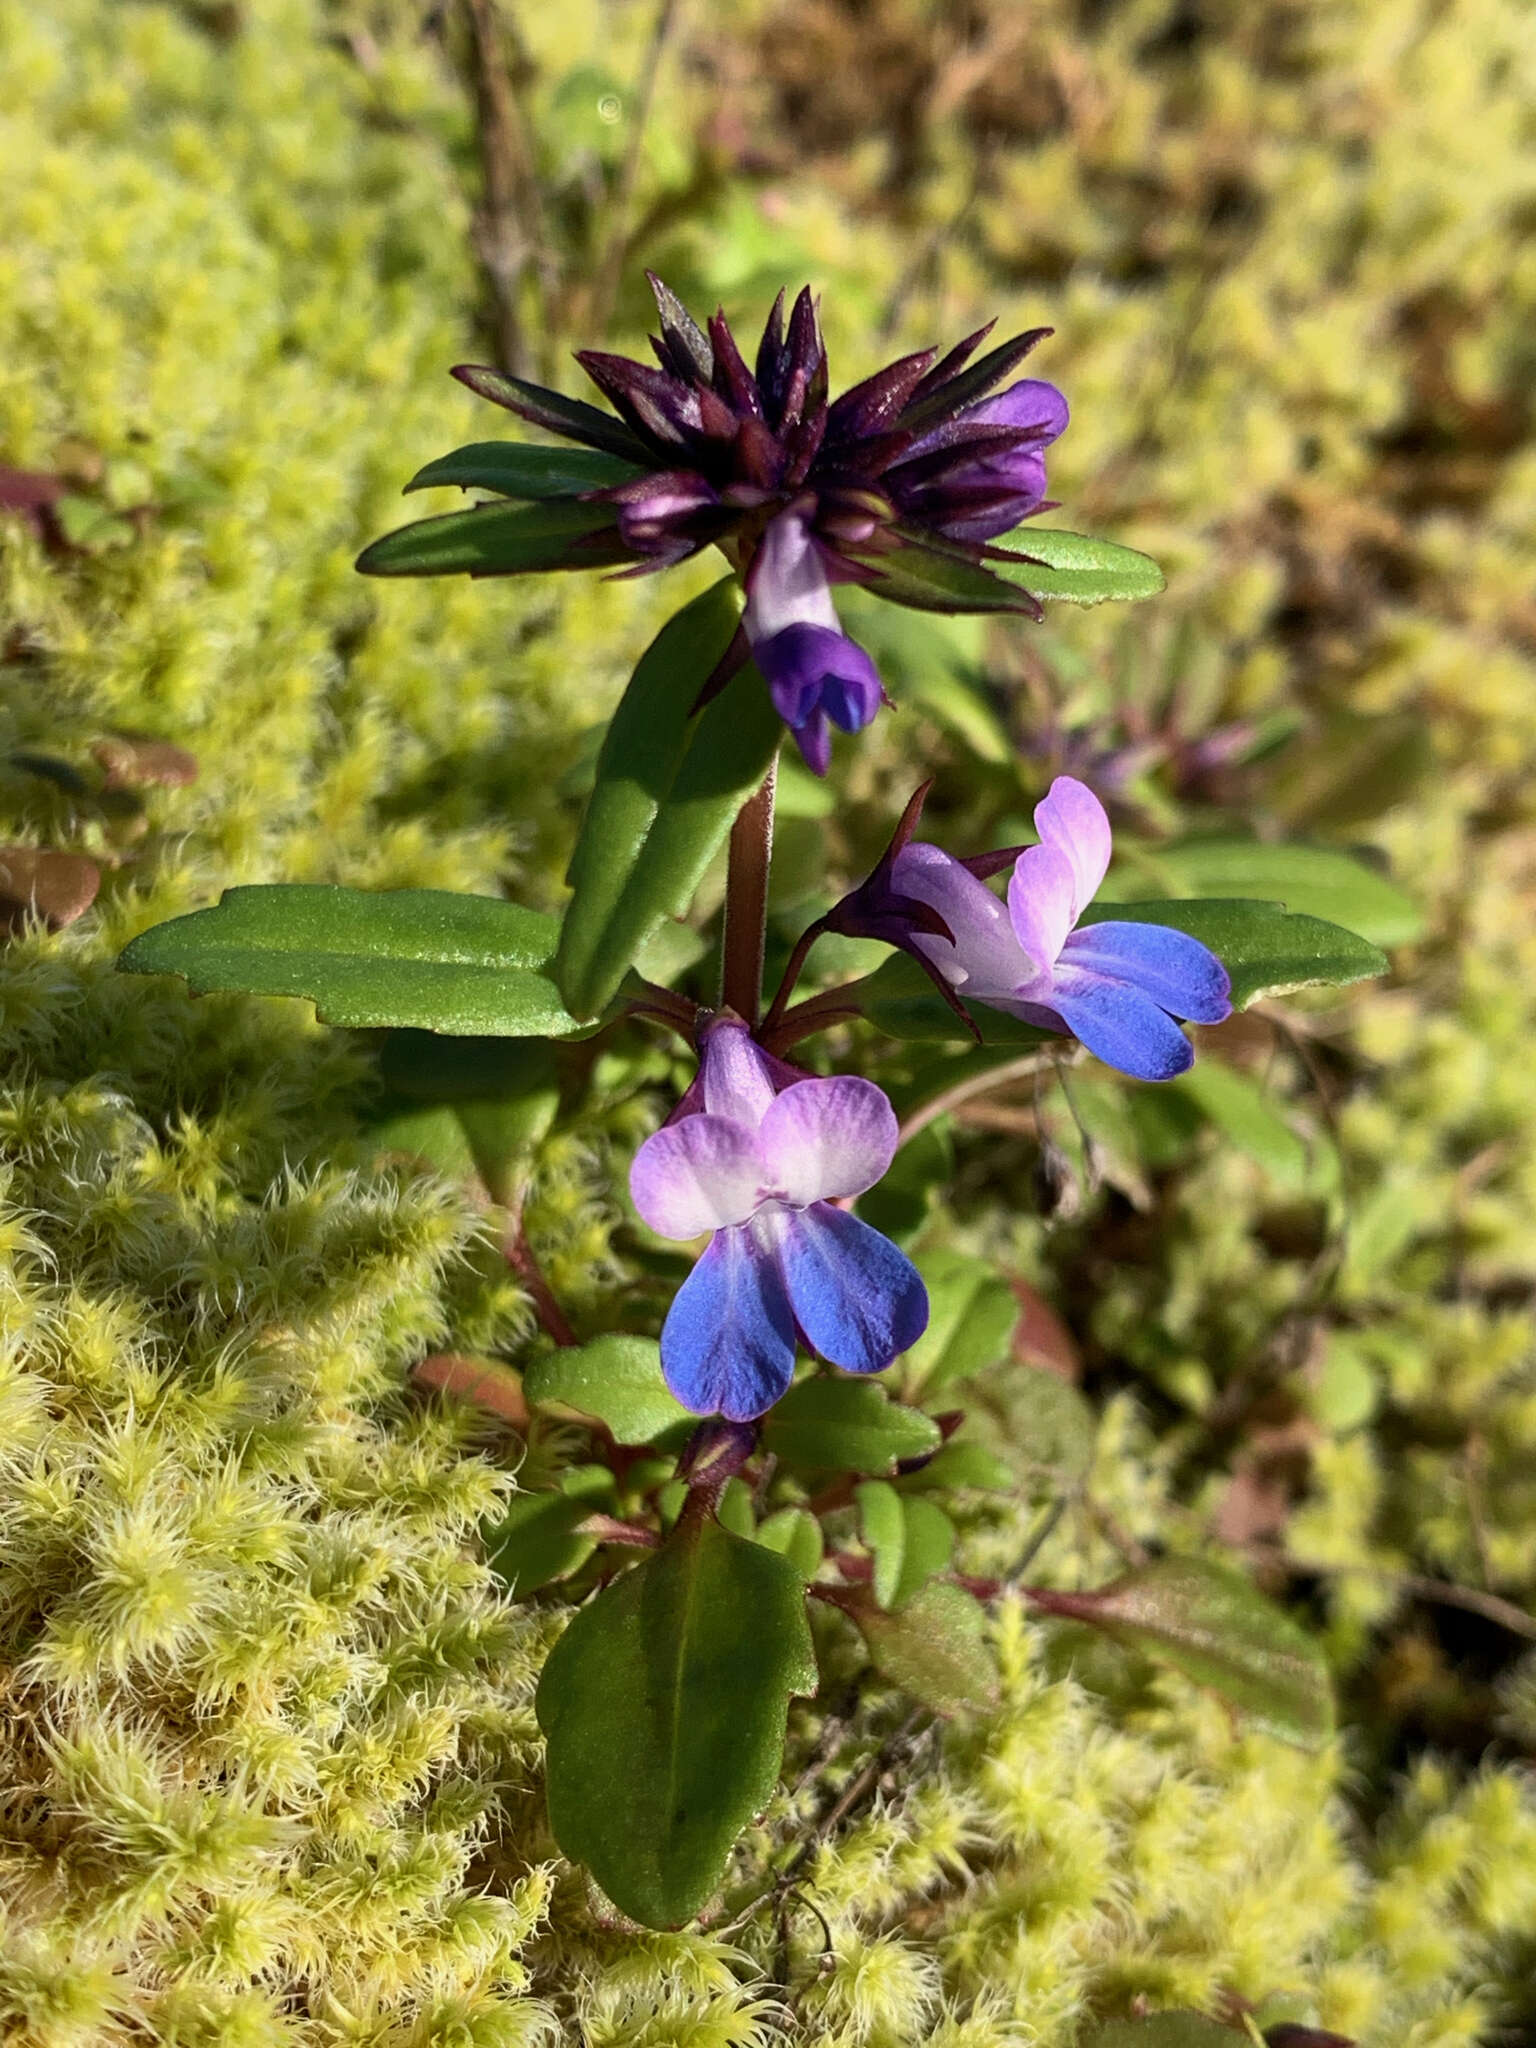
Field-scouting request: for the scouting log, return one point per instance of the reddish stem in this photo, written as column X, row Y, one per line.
column 519, row 1256
column 746, row 902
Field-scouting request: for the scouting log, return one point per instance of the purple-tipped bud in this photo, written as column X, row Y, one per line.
column 920, row 463
column 814, row 672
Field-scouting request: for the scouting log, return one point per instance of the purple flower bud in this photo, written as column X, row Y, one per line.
column 813, row 670
column 925, row 461
column 759, row 1164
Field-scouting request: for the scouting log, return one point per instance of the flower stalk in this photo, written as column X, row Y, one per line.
column 746, row 903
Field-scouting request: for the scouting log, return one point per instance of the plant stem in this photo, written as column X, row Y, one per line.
column 792, row 973
column 506, row 232
column 746, row 902
column 519, row 1256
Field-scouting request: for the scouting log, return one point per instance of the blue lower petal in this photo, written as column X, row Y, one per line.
column 1176, row 971
column 1123, row 1027
column 728, row 1344
column 858, row 1300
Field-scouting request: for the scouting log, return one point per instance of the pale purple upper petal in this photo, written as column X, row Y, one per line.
column 824, row 1139
column 985, row 960
column 1176, row 971
column 1041, row 892
column 697, row 1175
column 738, row 1079
column 1073, row 821
column 787, row 582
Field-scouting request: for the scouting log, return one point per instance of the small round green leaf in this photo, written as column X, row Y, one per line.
column 796, row 1535
column 617, row 1379
column 934, row 1648
column 825, row 1424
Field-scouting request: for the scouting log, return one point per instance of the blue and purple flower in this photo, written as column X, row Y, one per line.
column 901, row 484
column 1118, row 986
column 759, row 1154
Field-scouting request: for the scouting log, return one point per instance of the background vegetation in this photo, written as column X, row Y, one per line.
column 268, row 1768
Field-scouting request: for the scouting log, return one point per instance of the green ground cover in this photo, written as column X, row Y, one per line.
column 269, row 1770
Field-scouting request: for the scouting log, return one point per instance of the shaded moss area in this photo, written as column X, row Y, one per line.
column 268, row 1766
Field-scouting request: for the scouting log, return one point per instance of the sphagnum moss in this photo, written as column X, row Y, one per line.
column 267, row 1753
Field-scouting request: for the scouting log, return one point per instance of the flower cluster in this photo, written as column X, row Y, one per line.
column 900, row 484
column 759, row 1154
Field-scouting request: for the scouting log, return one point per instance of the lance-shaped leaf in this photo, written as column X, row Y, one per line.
column 929, row 579
column 418, row 957
column 1208, row 1622
column 1319, row 880
column 501, row 540
column 934, row 1648
column 1266, row 950
column 617, row 1379
column 669, row 782
column 517, row 469
column 836, row 1425
column 572, row 418
column 664, row 1706
column 1074, row 568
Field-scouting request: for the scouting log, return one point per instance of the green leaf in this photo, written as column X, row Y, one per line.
column 934, row 1648
column 462, row 965
column 1076, row 568
column 663, row 1705
column 796, row 1535
column 617, row 1379
column 497, row 1095
column 958, row 1465
column 1208, row 1622
column 1267, row 950
column 1244, row 1114
column 972, row 1316
column 537, row 1539
column 668, row 785
column 1163, row 2030
column 1317, row 880
column 1035, row 1420
column 935, row 580
column 910, row 1540
column 900, row 1000
column 883, row 1532
column 518, row 469
column 500, row 540
column 840, row 1425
